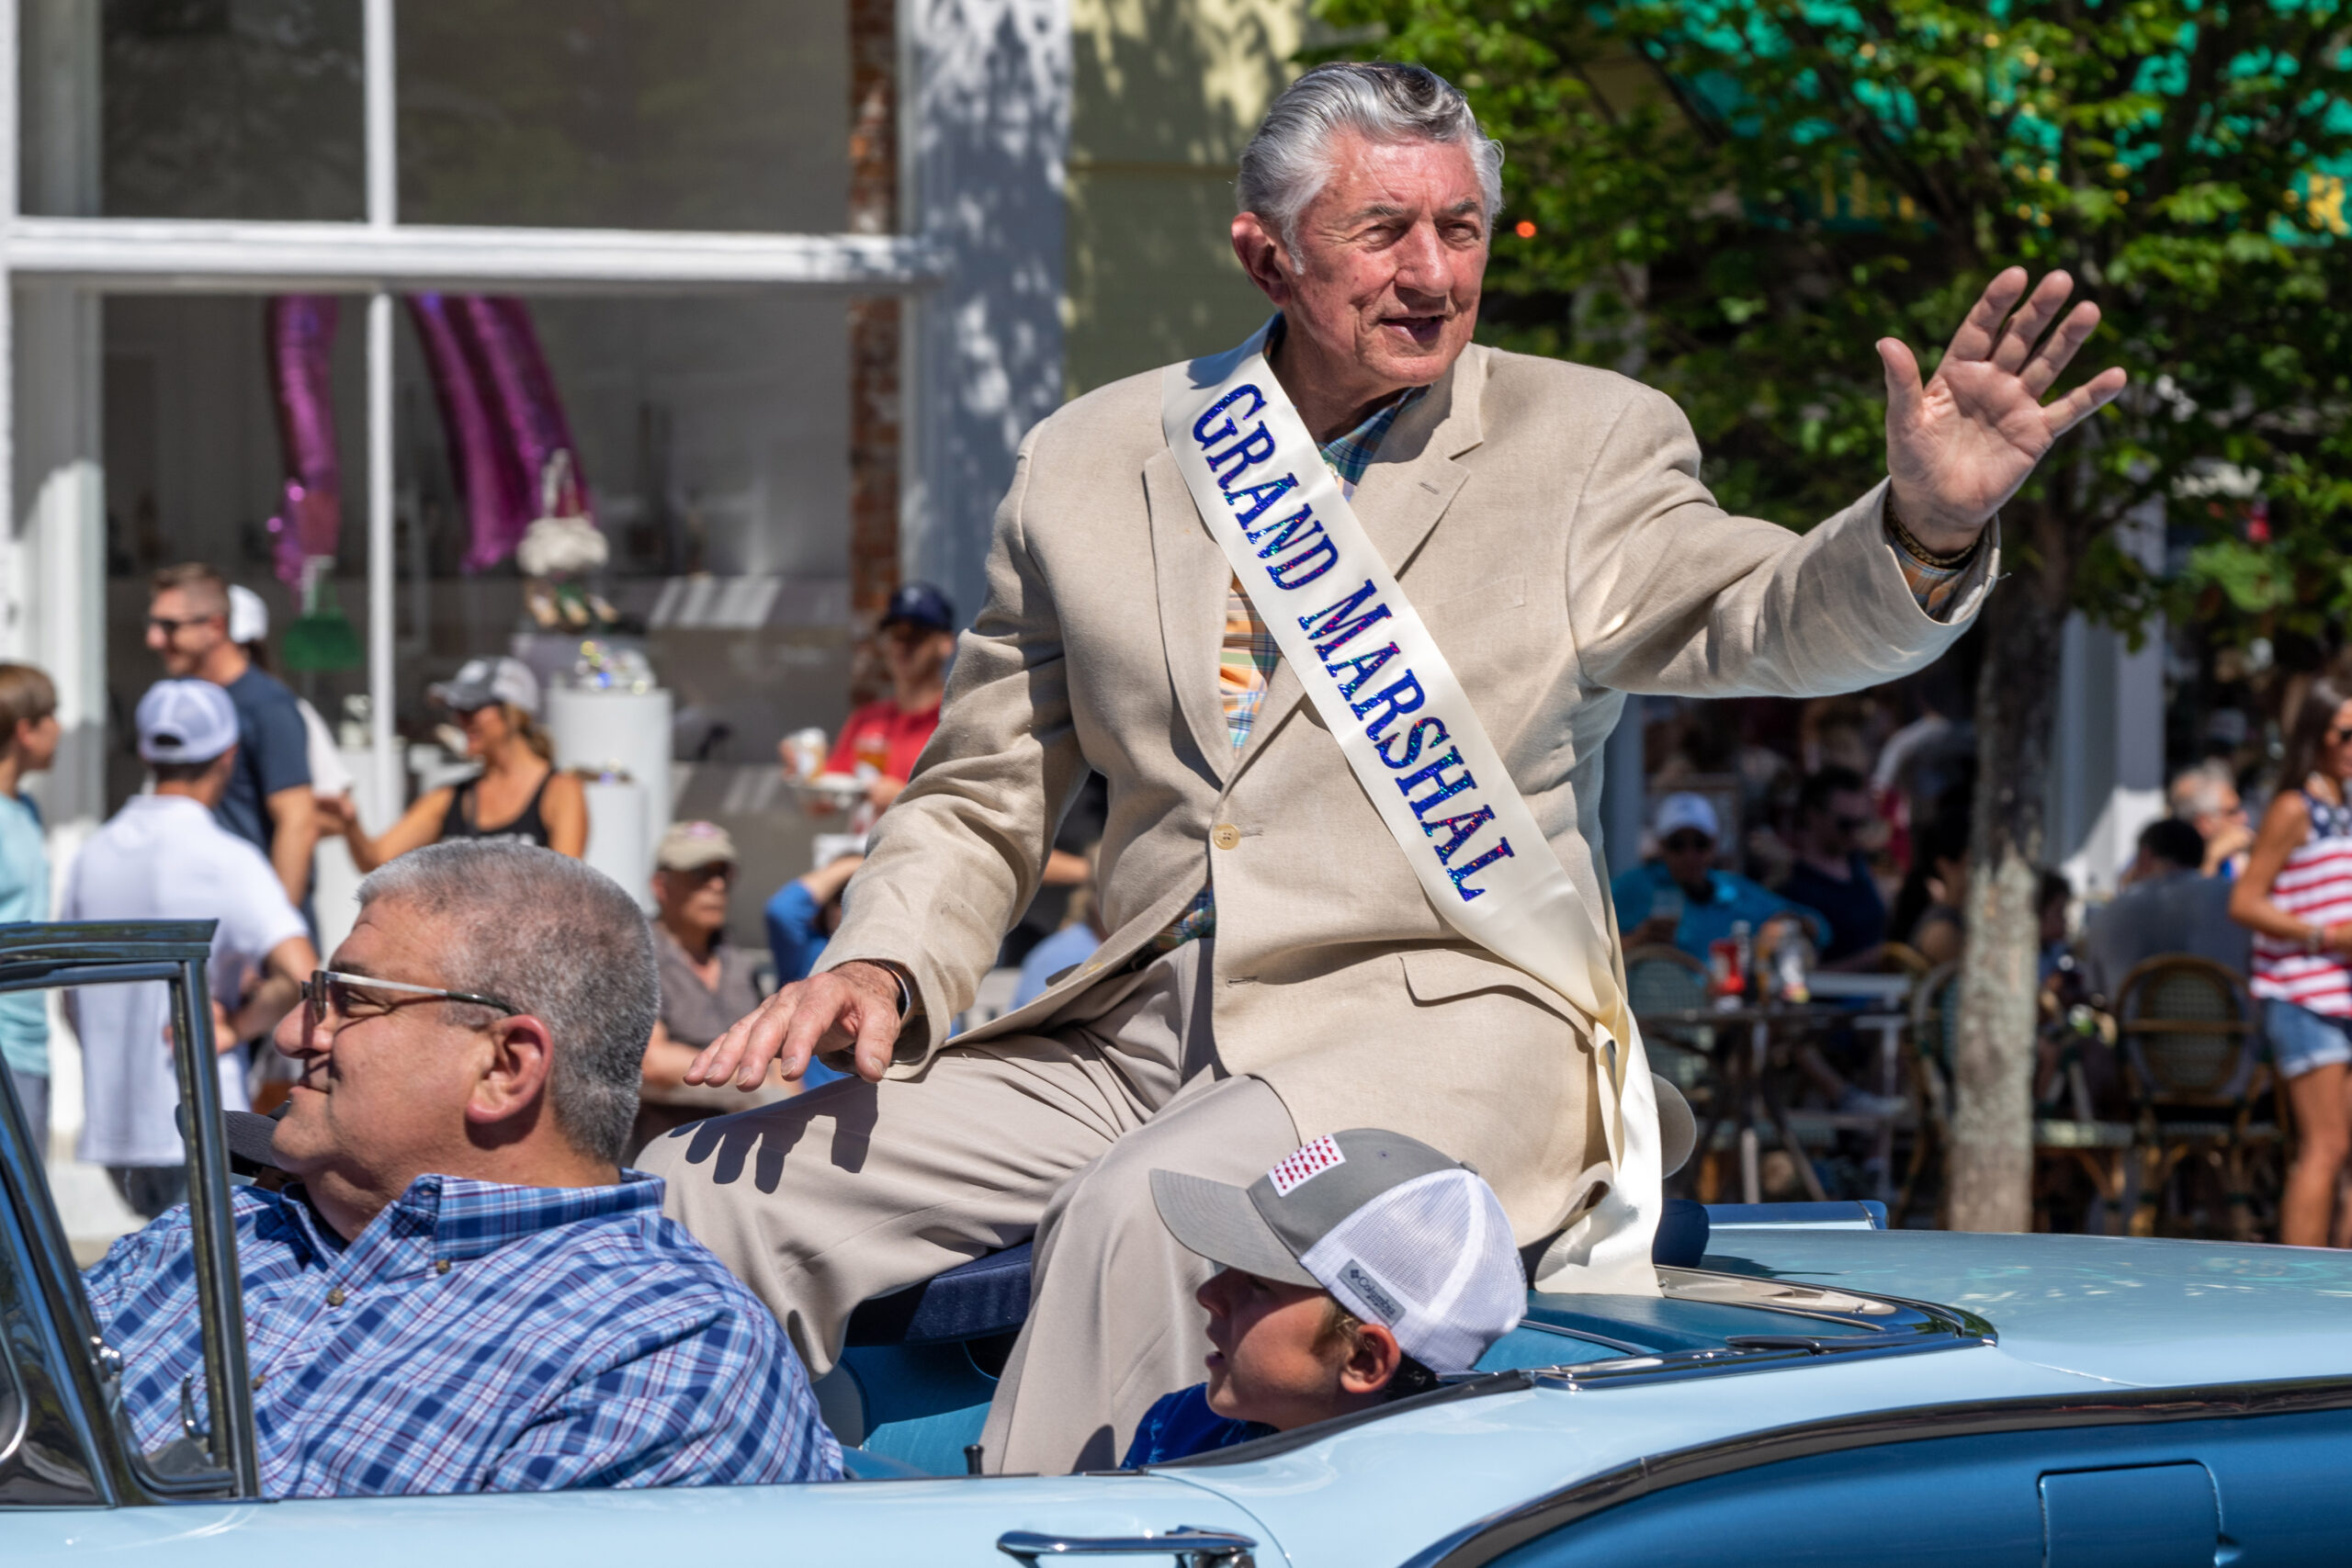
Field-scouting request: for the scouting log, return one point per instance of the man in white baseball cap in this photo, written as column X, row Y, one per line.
column 1684, row 897
column 165, row 857
column 1359, row 1270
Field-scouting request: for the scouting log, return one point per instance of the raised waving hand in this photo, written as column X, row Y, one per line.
column 1961, row 445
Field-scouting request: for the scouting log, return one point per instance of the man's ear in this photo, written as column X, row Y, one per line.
column 514, row 1077
column 1263, row 256
column 1372, row 1361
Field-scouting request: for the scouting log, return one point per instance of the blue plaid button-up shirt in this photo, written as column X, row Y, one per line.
column 475, row 1337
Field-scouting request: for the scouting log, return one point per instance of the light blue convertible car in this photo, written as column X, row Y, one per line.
column 1808, row 1388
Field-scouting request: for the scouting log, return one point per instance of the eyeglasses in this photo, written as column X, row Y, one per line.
column 171, row 628
column 1851, row 824
column 2337, row 735
column 329, row 994
column 1683, row 844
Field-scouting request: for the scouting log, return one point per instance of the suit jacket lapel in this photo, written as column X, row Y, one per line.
column 1193, row 575
column 1411, row 482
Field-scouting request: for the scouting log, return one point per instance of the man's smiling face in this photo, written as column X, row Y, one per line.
column 1391, row 254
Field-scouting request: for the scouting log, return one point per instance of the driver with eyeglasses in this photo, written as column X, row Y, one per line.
column 461, row 1289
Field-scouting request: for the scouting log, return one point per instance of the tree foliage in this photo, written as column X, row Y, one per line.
column 1734, row 200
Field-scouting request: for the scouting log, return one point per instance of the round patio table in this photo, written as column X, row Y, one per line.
column 1757, row 1106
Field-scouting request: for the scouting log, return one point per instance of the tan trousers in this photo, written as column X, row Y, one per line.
column 857, row 1189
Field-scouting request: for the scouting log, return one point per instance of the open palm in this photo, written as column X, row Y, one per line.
column 1961, row 445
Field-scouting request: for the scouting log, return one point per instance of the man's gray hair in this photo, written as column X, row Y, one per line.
column 557, row 939
column 1288, row 162
column 2201, row 789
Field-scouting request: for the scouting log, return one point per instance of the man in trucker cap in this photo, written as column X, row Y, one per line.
column 1359, row 1270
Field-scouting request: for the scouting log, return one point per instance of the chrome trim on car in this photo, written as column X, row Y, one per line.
column 1190, row 1546
column 1488, row 1539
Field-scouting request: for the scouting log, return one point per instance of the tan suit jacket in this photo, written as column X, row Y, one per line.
column 1548, row 522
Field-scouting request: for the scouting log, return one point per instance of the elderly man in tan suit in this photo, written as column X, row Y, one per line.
column 1274, row 971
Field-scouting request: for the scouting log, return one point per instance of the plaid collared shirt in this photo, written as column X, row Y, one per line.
column 474, row 1338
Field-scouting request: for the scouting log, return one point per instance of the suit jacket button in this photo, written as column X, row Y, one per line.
column 1224, row 835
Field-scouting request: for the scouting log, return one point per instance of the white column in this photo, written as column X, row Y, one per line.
column 11, row 564
column 383, row 198
column 1623, row 792
column 2108, row 753
column 57, row 609
column 990, row 91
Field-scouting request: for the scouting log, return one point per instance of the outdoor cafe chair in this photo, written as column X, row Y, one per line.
column 2189, row 1053
column 1935, row 1031
column 2098, row 1147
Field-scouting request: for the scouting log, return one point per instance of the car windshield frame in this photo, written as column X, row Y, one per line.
column 1876, row 1325
column 222, row 1459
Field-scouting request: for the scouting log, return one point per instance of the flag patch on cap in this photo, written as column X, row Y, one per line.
column 1312, row 1159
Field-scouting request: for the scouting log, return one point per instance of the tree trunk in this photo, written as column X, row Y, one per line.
column 1989, row 1176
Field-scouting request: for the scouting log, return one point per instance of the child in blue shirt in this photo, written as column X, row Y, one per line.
column 27, row 744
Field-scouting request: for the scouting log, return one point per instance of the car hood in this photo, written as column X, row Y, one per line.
column 2141, row 1312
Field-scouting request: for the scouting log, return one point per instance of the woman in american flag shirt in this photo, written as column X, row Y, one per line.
column 2296, row 896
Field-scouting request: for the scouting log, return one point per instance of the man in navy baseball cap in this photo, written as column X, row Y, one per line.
column 921, row 605
column 880, row 744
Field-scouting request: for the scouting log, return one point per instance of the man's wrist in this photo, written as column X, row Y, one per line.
column 909, row 997
column 1907, row 539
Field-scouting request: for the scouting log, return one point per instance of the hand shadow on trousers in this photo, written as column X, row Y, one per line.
column 763, row 1136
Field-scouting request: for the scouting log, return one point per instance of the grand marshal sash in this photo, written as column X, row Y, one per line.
column 1406, row 726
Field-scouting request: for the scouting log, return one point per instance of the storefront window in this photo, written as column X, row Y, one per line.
column 204, row 109
column 710, row 433
column 626, row 114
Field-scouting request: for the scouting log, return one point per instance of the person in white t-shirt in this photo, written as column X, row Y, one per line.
column 164, row 857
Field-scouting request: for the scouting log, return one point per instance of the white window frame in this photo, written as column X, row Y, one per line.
column 383, row 257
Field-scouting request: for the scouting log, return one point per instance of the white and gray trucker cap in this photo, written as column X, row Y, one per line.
column 1399, row 1234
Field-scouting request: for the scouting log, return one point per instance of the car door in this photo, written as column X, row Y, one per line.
column 874, row 1524
column 2160, row 1489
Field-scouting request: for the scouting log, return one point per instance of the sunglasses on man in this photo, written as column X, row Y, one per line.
column 170, row 626
column 330, row 994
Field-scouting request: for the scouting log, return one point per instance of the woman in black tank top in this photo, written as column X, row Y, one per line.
column 527, row 800
column 529, row 828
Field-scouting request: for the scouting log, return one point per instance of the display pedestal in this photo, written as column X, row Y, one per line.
column 620, row 739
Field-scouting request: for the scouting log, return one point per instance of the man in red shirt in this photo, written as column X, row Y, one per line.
column 881, row 740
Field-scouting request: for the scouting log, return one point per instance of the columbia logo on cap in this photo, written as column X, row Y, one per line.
column 1310, row 1160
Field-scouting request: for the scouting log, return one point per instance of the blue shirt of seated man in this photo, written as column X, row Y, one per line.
column 1731, row 899
column 474, row 1338
column 464, row 1291
column 1712, row 901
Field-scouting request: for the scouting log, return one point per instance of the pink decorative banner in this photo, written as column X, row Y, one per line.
column 509, row 443
column 301, row 368
column 531, row 410
column 488, row 474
